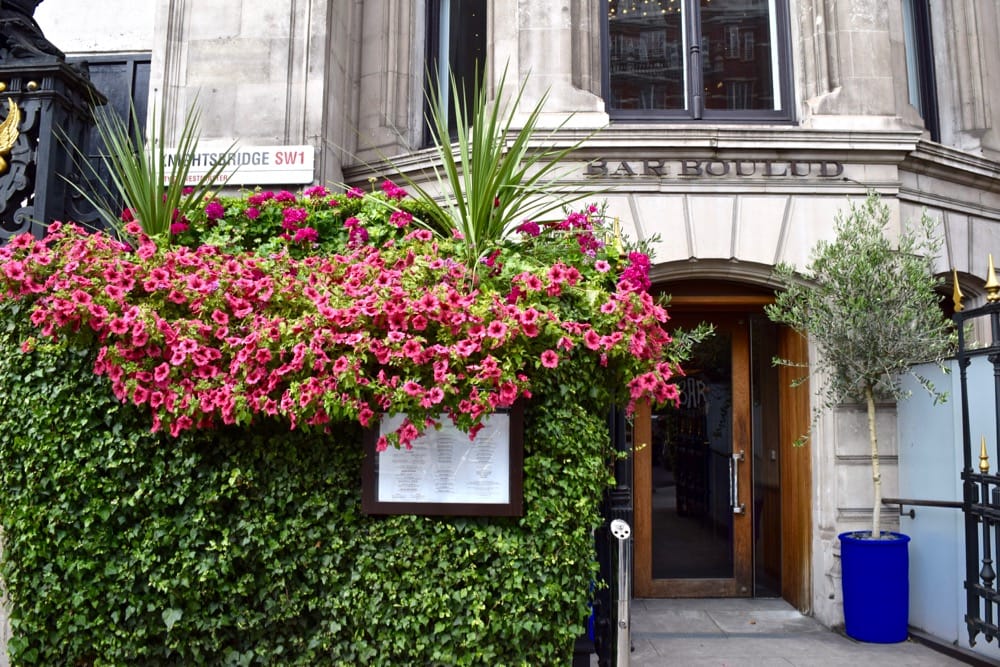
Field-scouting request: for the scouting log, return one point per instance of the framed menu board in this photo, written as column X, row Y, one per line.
column 446, row 473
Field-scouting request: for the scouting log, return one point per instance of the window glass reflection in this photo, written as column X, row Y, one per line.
column 646, row 49
column 736, row 54
column 653, row 66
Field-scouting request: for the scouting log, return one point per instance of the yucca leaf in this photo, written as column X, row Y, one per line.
column 139, row 174
column 493, row 175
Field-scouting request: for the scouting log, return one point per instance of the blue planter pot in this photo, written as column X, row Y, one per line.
column 876, row 582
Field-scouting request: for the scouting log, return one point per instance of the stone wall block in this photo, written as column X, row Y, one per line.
column 710, row 221
column 665, row 216
column 852, row 430
column 759, row 223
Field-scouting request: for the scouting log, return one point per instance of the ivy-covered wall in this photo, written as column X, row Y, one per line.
column 248, row 546
column 182, row 415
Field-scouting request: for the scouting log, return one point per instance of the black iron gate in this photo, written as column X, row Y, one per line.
column 617, row 505
column 980, row 488
column 46, row 107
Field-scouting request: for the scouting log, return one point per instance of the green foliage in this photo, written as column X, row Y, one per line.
column 869, row 305
column 138, row 175
column 493, row 176
column 252, row 222
column 872, row 309
column 248, row 546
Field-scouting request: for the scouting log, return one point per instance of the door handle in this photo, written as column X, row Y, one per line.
column 734, row 482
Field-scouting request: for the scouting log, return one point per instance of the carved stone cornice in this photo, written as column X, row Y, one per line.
column 626, row 140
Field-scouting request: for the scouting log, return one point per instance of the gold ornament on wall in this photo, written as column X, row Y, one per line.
column 9, row 133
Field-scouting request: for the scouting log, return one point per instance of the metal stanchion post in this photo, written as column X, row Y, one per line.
column 623, row 592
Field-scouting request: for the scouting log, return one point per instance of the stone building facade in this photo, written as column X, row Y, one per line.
column 729, row 131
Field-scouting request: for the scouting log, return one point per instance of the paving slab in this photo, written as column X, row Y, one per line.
column 755, row 633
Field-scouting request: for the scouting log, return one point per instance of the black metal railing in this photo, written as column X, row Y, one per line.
column 915, row 502
column 980, row 487
column 617, row 505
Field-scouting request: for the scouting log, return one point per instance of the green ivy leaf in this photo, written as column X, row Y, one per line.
column 171, row 616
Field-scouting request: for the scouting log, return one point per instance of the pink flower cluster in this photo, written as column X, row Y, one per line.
column 635, row 277
column 201, row 337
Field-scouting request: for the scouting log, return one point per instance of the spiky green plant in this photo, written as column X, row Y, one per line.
column 141, row 175
column 497, row 172
column 872, row 308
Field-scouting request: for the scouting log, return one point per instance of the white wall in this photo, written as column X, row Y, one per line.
column 930, row 462
column 102, row 26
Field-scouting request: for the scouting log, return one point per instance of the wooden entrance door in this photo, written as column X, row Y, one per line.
column 692, row 485
column 681, row 485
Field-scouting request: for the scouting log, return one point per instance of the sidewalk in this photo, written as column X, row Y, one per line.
column 757, row 633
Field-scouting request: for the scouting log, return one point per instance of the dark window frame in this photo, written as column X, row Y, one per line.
column 923, row 58
column 463, row 61
column 692, row 63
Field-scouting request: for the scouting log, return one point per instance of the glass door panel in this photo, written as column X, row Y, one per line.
column 692, row 461
column 692, row 475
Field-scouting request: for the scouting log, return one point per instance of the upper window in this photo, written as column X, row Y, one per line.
column 920, row 63
column 697, row 59
column 456, row 46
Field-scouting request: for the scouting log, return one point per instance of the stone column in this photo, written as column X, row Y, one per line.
column 964, row 64
column 256, row 70
column 556, row 46
column 852, row 63
column 389, row 78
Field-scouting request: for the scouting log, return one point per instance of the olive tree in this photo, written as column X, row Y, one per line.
column 871, row 306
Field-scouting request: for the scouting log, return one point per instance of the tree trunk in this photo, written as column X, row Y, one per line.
column 876, row 473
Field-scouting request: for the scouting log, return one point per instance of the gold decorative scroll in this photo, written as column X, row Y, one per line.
column 9, row 133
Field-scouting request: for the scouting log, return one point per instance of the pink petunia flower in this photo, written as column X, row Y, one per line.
column 496, row 329
column 118, row 326
column 214, row 210
column 392, row 191
column 400, row 218
column 306, row 235
column 161, row 373
column 316, row 192
column 529, row 228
